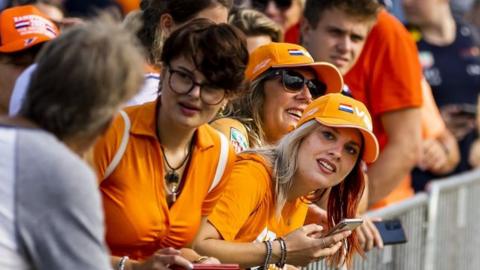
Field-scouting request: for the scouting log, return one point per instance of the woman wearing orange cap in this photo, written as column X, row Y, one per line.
column 268, row 189
column 284, row 79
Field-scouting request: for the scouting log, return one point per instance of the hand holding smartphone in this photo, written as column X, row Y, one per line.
column 348, row 224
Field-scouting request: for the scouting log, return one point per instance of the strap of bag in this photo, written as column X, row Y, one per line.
column 121, row 149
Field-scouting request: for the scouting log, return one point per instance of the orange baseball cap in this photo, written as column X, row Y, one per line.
column 23, row 27
column 287, row 55
column 337, row 110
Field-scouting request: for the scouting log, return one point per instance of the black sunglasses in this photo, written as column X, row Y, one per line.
column 295, row 82
column 262, row 4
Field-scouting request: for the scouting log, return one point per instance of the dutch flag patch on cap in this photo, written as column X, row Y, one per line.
column 295, row 52
column 345, row 108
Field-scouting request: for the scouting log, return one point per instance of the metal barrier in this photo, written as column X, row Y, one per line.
column 453, row 240
column 442, row 228
column 413, row 213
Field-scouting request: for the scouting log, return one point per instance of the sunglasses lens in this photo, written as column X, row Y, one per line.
column 259, row 4
column 262, row 4
column 293, row 81
column 283, row 4
column 317, row 88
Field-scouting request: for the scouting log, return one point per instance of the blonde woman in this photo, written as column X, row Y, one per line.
column 266, row 194
column 284, row 79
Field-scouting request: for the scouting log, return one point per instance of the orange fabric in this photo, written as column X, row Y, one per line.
column 128, row 5
column 387, row 78
column 151, row 69
column 246, row 211
column 23, row 27
column 138, row 220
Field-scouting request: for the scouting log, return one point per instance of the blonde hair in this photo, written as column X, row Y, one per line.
column 255, row 23
column 283, row 158
column 248, row 109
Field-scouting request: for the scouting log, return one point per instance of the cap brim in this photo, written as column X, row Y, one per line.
column 326, row 72
column 370, row 148
column 19, row 45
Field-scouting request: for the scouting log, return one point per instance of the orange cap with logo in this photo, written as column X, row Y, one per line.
column 23, row 27
column 337, row 110
column 287, row 55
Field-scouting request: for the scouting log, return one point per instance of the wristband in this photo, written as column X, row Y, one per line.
column 268, row 256
column 283, row 253
column 122, row 262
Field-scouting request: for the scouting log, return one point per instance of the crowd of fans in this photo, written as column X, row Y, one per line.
column 160, row 134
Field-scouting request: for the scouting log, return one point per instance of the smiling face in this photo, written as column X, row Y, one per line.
column 337, row 38
column 326, row 156
column 185, row 110
column 283, row 109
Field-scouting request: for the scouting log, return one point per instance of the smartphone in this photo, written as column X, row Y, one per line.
column 345, row 225
column 391, row 231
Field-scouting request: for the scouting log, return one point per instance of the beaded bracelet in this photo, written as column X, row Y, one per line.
column 283, row 252
column 268, row 245
column 122, row 262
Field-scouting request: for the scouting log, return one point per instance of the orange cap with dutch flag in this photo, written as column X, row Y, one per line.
column 337, row 110
column 23, row 27
column 288, row 55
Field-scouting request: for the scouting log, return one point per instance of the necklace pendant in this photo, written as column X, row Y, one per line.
column 172, row 178
column 174, row 196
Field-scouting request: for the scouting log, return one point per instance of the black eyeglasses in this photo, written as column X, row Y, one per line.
column 295, row 82
column 262, row 4
column 182, row 83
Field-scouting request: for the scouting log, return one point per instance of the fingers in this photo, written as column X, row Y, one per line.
column 374, row 237
column 327, row 251
column 163, row 261
column 312, row 229
column 333, row 239
column 168, row 251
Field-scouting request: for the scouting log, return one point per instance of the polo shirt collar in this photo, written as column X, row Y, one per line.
column 143, row 123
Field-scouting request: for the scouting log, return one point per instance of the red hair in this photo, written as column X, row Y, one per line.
column 343, row 202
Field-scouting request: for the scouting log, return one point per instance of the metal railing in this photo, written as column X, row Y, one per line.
column 442, row 228
column 453, row 240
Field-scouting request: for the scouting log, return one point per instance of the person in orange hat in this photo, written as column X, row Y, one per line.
column 23, row 31
column 270, row 188
column 284, row 79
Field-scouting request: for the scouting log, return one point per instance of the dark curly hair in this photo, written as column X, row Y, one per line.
column 218, row 51
column 181, row 11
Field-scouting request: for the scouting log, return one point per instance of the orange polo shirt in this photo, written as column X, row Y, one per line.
column 386, row 78
column 138, row 219
column 246, row 211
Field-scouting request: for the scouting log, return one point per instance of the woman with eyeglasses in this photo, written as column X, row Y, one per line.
column 259, row 219
column 173, row 166
column 284, row 79
column 157, row 20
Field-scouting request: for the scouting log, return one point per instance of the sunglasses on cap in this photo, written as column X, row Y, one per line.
column 262, row 4
column 295, row 82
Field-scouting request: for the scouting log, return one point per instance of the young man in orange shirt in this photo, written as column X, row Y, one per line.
column 388, row 84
